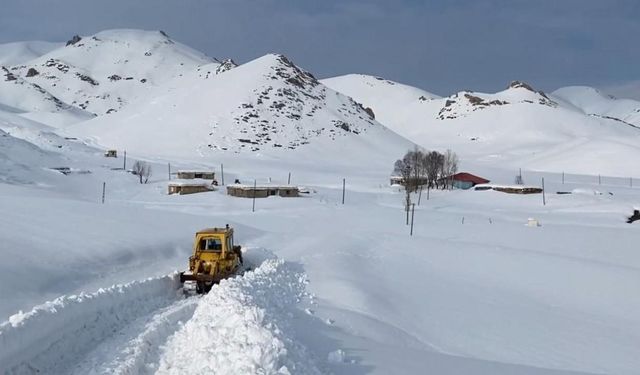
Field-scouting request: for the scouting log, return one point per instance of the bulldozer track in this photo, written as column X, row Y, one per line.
column 118, row 330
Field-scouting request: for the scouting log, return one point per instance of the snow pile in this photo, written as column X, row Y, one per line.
column 242, row 327
column 52, row 334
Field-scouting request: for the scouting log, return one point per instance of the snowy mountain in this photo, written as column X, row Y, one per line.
column 266, row 106
column 518, row 127
column 105, row 72
column 594, row 103
column 20, row 52
column 630, row 90
column 337, row 281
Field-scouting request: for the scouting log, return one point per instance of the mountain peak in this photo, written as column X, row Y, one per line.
column 526, row 86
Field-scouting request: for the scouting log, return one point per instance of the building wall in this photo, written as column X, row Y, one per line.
column 182, row 190
column 462, row 184
column 192, row 175
column 261, row 192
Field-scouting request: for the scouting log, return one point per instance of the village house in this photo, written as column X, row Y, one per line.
column 262, row 191
column 201, row 174
column 464, row 180
column 192, row 186
column 111, row 154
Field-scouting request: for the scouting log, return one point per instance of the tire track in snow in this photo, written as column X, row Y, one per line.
column 241, row 326
column 136, row 348
column 55, row 336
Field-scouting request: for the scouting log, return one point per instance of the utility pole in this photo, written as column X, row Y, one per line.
column 413, row 211
column 254, row 196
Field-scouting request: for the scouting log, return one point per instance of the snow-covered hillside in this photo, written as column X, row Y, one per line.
column 20, row 52
column 267, row 106
column 103, row 73
column 593, row 103
column 518, row 127
column 629, row 90
column 337, row 281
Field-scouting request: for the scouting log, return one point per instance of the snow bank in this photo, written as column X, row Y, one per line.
column 54, row 333
column 241, row 327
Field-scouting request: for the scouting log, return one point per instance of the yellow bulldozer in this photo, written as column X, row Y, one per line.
column 215, row 257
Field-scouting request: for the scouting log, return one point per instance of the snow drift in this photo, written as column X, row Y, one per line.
column 242, row 326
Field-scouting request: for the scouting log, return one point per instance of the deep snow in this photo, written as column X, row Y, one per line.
column 341, row 289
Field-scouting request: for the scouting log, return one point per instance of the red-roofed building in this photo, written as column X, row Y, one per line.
column 465, row 180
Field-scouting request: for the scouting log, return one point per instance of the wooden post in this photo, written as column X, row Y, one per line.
column 104, row 188
column 169, row 166
column 544, row 199
column 222, row 173
column 289, row 179
column 254, row 196
column 420, row 195
column 343, row 189
column 413, row 211
column 406, row 208
column 124, row 165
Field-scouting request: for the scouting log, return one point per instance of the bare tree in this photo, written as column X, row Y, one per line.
column 142, row 170
column 519, row 180
column 433, row 167
column 449, row 167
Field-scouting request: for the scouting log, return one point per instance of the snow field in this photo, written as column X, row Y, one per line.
column 55, row 334
column 242, row 327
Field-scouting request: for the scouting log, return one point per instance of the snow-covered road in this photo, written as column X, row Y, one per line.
column 148, row 326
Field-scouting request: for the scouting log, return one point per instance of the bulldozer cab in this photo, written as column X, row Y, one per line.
column 214, row 258
column 213, row 243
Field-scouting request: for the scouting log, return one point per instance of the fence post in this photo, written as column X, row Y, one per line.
column 253, row 209
column 544, row 199
column 413, row 211
column 104, row 188
column 343, row 189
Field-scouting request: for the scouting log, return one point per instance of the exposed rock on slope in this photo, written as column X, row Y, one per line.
column 105, row 72
column 266, row 105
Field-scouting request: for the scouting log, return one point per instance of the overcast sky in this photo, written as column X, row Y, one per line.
column 441, row 46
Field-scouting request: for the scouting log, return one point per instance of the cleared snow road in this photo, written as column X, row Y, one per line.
column 149, row 326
